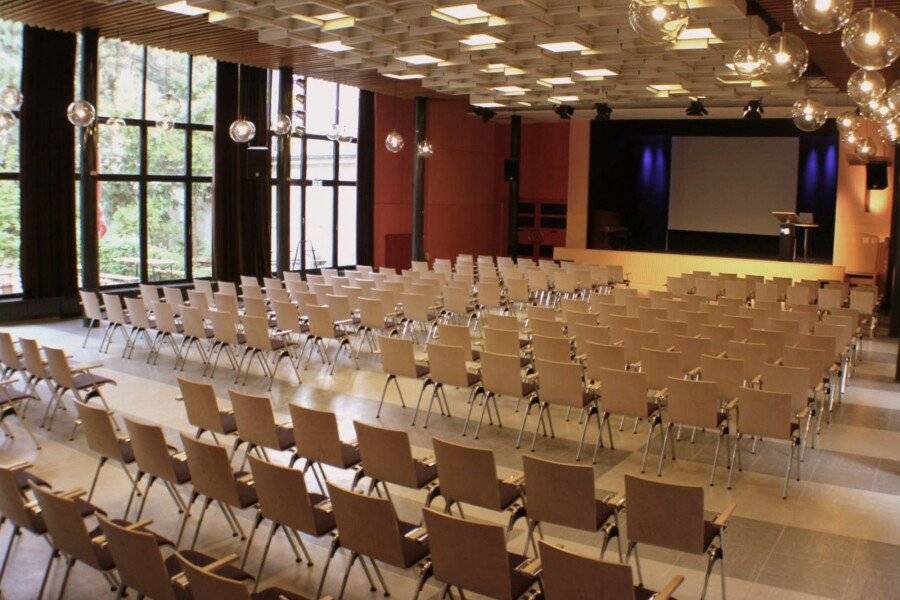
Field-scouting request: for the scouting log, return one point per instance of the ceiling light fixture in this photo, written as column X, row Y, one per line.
column 871, row 39
column 182, row 8
column 657, row 21
column 420, row 59
column 785, row 56
column 809, row 114
column 404, row 76
column 332, row 46
column 481, row 40
column 570, row 46
column 595, row 74
column 564, row 111
column 823, row 16
column 552, row 81
column 467, row 14
column 510, row 89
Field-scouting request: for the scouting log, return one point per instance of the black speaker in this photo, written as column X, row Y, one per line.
column 258, row 163
column 511, row 169
column 876, row 175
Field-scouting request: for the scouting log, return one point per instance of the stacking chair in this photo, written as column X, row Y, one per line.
column 221, row 581
column 13, row 401
column 256, row 424
column 227, row 339
column 268, row 349
column 619, row 323
column 368, row 527
column 829, row 298
column 203, row 411
column 200, row 301
column 501, row 322
column 563, row 494
column 796, row 381
column 398, row 360
column 63, row 517
column 727, row 373
column 457, row 335
column 691, row 349
column 141, row 326
column 742, row 325
column 660, row 366
column 694, row 320
column 196, row 334
column 546, row 327
column 166, row 330
column 322, row 328
column 719, row 336
column 95, row 315
column 118, row 319
column 447, row 366
column 692, row 403
column 556, row 349
column 79, row 381
column 635, row 341
column 469, row 475
column 774, row 341
column 566, row 575
column 649, row 316
column 285, row 501
column 668, row 329
column 213, row 478
column 203, row 286
column 103, row 440
column 798, row 294
column 790, row 329
column 753, row 355
column 227, row 302
column 769, row 415
column 287, row 318
column 419, row 315
column 472, row 556
column 671, row 516
column 319, row 442
column 504, row 341
column 387, row 458
column 501, row 375
column 627, row 393
column 10, row 357
column 583, row 333
column 159, row 461
column 173, row 297
column 602, row 356
column 376, row 316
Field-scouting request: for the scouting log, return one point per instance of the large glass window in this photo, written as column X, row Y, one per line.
column 10, row 74
column 154, row 190
column 322, row 203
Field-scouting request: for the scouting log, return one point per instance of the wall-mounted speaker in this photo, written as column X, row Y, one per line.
column 511, row 169
column 876, row 175
column 258, row 163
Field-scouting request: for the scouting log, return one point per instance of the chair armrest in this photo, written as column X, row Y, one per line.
column 7, row 382
column 666, row 592
column 281, row 332
column 217, row 564
column 661, row 394
column 693, row 372
column 86, row 366
column 722, row 519
column 530, row 567
column 757, row 381
column 139, row 525
column 19, row 466
column 72, row 494
column 418, row 535
column 731, row 405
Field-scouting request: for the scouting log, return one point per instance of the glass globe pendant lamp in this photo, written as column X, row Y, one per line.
column 748, row 62
column 893, row 97
column 809, row 114
column 11, row 98
column 81, row 113
column 169, row 106
column 241, row 130
column 864, row 86
column 823, row 16
column 847, row 122
column 425, row 149
column 394, row 142
column 657, row 21
column 865, row 147
column 871, row 39
column 165, row 123
column 282, row 125
column 889, row 130
column 785, row 56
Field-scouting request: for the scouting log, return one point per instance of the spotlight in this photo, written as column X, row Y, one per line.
column 604, row 112
column 696, row 109
column 564, row 111
column 483, row 113
column 754, row 110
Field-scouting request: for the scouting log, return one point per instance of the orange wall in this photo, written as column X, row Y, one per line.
column 544, row 162
column 393, row 172
column 858, row 231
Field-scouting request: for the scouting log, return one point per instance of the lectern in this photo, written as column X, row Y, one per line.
column 787, row 236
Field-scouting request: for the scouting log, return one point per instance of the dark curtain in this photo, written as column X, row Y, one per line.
column 47, row 183
column 817, row 190
column 242, row 206
column 365, row 179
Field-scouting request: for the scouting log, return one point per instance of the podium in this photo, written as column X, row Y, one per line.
column 787, row 234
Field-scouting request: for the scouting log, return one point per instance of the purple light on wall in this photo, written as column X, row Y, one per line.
column 831, row 164
column 646, row 166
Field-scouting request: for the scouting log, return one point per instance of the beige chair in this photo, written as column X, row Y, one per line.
column 203, row 411
column 78, row 380
column 448, row 366
column 218, row 580
column 419, row 316
column 387, row 458
column 103, row 440
column 660, row 366
column 213, row 478
column 159, row 461
column 256, row 424
column 503, row 322
column 469, row 475
column 668, row 329
column 398, row 359
column 167, row 327
column 501, row 375
column 118, row 318
column 457, row 335
column 141, row 326
column 719, row 336
column 322, row 329
column 95, row 316
column 227, row 339
column 547, row 327
column 796, row 381
column 473, row 557
column 769, row 415
column 200, row 301
column 692, row 403
column 556, row 349
column 671, row 516
column 13, row 402
column 174, row 297
column 268, row 349
column 627, row 393
column 368, row 527
column 753, row 355
column 597, row 334
column 727, row 373
column 505, row 341
column 602, row 356
column 619, row 323
column 691, row 349
column 563, row 494
column 285, row 501
column 196, row 335
column 319, row 442
column 10, row 357
column 566, row 575
column 774, row 341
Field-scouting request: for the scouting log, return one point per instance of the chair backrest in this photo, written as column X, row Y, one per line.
column 605, row 311
column 660, row 366
column 59, row 368
column 863, row 301
column 386, row 454
column 501, row 341
column 447, row 364
column 91, row 305
column 693, row 402
column 99, row 431
column 254, row 418
column 665, row 514
column 367, row 525
column 767, row 292
column 727, row 373
column 321, row 323
column 138, row 560
column 624, row 392
column 455, row 335
column 584, row 333
column 151, row 452
column 742, row 325
column 149, row 294
column 560, row 382
column 694, row 320
column 754, row 356
column 255, row 307
column 227, row 287
column 32, row 359
column 226, row 302
column 818, row 342
column 199, row 301
column 558, row 349
column 66, row 526
column 765, row 414
column 817, row 361
column 204, row 286
column 790, row 329
column 560, row 493
column 649, row 315
column 501, row 374
column 164, row 313
column 467, row 474
column 691, row 349
column 566, row 575
column 619, row 323
column 547, row 327
column 830, row 298
column 633, row 303
column 12, row 500
column 137, row 310
column 602, row 356
column 774, row 341
column 256, row 330
column 114, row 311
column 211, row 473
column 283, row 495
column 316, row 435
column 398, row 356
column 286, row 316
column 789, row 380
column 636, row 340
column 798, row 294
column 224, row 325
column 841, row 334
column 200, row 404
column 573, row 317
column 207, row 584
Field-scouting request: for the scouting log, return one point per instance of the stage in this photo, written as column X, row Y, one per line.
column 648, row 270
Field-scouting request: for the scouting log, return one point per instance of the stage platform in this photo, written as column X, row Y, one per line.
column 648, row 270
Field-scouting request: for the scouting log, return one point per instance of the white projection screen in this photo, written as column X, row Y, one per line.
column 732, row 184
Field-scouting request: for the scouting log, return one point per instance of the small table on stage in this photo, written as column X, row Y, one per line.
column 788, row 223
column 805, row 227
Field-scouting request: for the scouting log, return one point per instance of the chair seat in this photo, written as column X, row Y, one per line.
column 710, row 532
column 324, row 519
column 180, row 466
column 425, row 473
column 473, row 378
column 229, row 423
column 246, row 491
column 88, row 380
column 413, row 551
column 421, row 370
column 126, row 450
column 604, row 512
column 509, row 493
column 349, row 455
column 285, row 435
column 10, row 393
column 24, row 478
column 101, row 549
column 519, row 582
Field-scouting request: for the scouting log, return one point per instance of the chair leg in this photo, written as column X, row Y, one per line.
column 265, row 554
column 90, row 326
column 256, row 523
column 184, row 518
column 425, row 385
column 294, row 538
column 335, row 544
column 662, row 451
column 9, row 550
column 65, row 581
column 375, row 568
column 206, row 502
column 435, row 392
column 787, row 473
column 712, row 472
column 384, row 392
column 100, row 462
column 632, row 549
column 531, row 403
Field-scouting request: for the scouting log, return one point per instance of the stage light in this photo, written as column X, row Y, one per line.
column 483, row 113
column 565, row 111
column 696, row 109
column 604, row 112
column 754, row 110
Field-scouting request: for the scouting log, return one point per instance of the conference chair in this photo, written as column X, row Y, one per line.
column 173, row 296
column 227, row 302
column 694, row 320
column 671, row 516
column 318, row 441
column 322, row 329
column 141, row 326
column 502, row 322
column 790, row 329
column 269, row 350
column 501, row 375
column 774, row 341
column 619, row 323
column 660, row 366
column 13, row 401
column 457, row 335
column 79, row 380
column 398, row 360
column 726, row 373
column 448, row 367
column 555, row 348
column 567, row 575
column 627, row 393
column 227, row 339
column 200, row 301
column 220, row 581
column 754, row 357
column 635, row 341
column 256, row 425
column 473, row 557
column 796, row 381
column 118, row 319
column 387, row 458
column 504, row 341
column 287, row 318
column 34, row 366
column 158, row 461
column 563, row 494
column 600, row 356
column 166, row 329
column 95, row 314
column 196, row 334
column 691, row 349
column 667, row 330
column 546, row 327
column 203, row 411
column 204, row 286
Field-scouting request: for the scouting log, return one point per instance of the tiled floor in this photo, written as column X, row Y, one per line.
column 836, row 536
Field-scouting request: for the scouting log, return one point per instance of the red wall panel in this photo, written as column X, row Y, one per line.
column 544, row 164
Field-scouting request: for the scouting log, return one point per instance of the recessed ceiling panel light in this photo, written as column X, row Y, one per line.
column 696, row 33
column 419, row 59
column 331, row 16
column 563, row 46
column 665, row 87
column 488, row 104
column 332, row 46
column 510, row 89
column 481, row 39
column 404, row 76
column 551, row 81
column 523, row 103
column 559, row 99
column 595, row 73
column 463, row 11
column 182, row 8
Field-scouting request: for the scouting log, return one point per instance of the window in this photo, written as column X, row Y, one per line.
column 10, row 74
column 154, row 189
column 322, row 203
